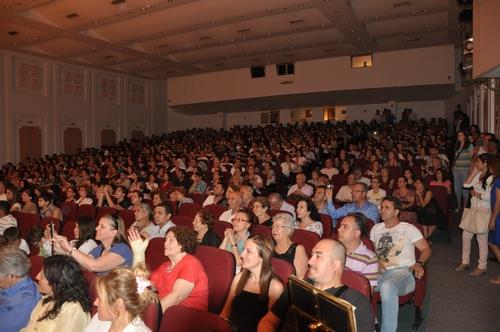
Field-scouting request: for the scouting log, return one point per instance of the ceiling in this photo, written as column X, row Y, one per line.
column 166, row 38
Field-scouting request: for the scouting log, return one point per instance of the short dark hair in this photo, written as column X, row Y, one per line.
column 360, row 220
column 5, row 207
column 186, row 238
column 206, row 217
column 166, row 206
column 394, row 200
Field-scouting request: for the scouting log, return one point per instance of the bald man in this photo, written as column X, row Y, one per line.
column 235, row 201
column 325, row 272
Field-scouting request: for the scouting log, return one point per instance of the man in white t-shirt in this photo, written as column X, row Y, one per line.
column 395, row 244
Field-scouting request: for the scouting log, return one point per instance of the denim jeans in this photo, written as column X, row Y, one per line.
column 459, row 176
column 391, row 284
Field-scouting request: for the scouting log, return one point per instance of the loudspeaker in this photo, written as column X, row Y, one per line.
column 258, row 71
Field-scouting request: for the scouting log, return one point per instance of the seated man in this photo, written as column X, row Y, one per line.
column 345, row 192
column 18, row 293
column 277, row 203
column 143, row 215
column 6, row 218
column 329, row 170
column 395, row 244
column 161, row 217
column 234, row 201
column 325, row 272
column 300, row 188
column 359, row 204
column 359, row 258
column 217, row 196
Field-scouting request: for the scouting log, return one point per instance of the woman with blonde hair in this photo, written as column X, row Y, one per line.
column 122, row 295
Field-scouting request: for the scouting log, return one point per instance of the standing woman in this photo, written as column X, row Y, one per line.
column 480, row 181
column 494, row 225
column 65, row 305
column 255, row 289
column 461, row 166
column 428, row 211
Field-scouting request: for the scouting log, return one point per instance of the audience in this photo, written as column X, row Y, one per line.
column 162, row 223
column 65, row 305
column 255, row 289
column 18, row 293
column 260, row 210
column 6, row 218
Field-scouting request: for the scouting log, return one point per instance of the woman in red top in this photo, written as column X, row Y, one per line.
column 181, row 280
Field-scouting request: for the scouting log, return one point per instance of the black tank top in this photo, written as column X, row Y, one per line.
column 247, row 310
column 288, row 255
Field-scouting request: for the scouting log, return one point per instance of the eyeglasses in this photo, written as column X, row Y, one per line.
column 239, row 219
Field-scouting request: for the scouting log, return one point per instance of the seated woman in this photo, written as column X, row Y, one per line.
column 13, row 199
column 70, row 195
column 202, row 225
column 113, row 251
column 84, row 233
column 84, row 193
column 428, row 211
column 181, row 280
column 260, row 208
column 405, row 194
column 121, row 297
column 27, row 199
column 308, row 217
column 65, row 305
column 47, row 207
column 18, row 293
column 255, row 289
column 234, row 238
column 295, row 254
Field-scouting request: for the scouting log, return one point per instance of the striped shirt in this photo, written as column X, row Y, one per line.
column 364, row 261
column 463, row 158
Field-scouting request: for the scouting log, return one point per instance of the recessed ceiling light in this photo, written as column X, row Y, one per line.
column 12, row 33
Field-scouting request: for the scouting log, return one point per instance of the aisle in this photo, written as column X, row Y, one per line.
column 456, row 301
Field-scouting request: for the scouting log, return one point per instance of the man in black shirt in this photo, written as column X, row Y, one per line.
column 325, row 272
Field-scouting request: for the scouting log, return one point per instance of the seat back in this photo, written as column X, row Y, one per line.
column 189, row 209
column 220, row 227
column 90, row 279
column 102, row 211
column 272, row 213
column 151, row 316
column 128, row 217
column 283, row 269
column 36, row 265
column 197, row 198
column 25, row 221
column 306, row 238
column 57, row 223
column 220, row 267
column 68, row 228
column 68, row 210
column 327, row 223
column 261, row 229
column 216, row 210
column 183, row 221
column 357, row 282
column 86, row 210
column 155, row 253
column 183, row 319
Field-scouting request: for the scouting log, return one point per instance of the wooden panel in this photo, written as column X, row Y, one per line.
column 30, row 142
column 108, row 137
column 72, row 140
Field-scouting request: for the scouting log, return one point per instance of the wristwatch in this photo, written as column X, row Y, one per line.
column 421, row 263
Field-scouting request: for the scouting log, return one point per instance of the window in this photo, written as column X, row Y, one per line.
column 285, row 69
column 361, row 61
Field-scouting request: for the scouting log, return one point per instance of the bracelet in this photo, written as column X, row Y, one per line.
column 71, row 251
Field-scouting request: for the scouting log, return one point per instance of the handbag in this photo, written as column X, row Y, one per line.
column 475, row 220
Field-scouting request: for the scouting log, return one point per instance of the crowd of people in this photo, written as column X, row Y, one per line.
column 374, row 181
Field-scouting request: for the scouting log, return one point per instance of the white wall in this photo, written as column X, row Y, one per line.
column 178, row 121
column 34, row 91
column 430, row 66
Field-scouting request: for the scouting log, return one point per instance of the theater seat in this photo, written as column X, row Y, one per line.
column 220, row 226
column 151, row 316
column 357, row 282
column 216, row 210
column 306, row 238
column 36, row 266
column 155, row 253
column 282, row 269
column 25, row 221
column 261, row 230
column 68, row 230
column 182, row 319
column 86, row 210
column 327, row 223
column 183, row 221
column 189, row 209
column 220, row 268
column 68, row 210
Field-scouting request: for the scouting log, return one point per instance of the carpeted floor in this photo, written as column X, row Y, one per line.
column 456, row 301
